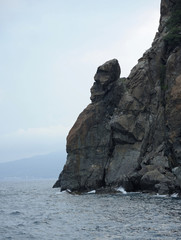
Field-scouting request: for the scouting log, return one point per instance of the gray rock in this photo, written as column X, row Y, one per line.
column 122, row 165
column 177, row 172
column 130, row 134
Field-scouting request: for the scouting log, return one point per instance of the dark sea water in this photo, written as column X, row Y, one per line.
column 33, row 210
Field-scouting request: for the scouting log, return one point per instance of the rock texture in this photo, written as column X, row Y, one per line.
column 130, row 135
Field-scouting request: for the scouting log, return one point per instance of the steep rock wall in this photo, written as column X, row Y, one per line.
column 130, row 134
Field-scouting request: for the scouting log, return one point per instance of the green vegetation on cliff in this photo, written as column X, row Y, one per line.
column 173, row 38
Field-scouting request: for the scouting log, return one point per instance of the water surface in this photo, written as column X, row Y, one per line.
column 33, row 210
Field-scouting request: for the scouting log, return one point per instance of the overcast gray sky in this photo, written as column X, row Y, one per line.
column 49, row 53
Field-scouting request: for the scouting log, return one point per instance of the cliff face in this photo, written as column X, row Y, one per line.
column 130, row 135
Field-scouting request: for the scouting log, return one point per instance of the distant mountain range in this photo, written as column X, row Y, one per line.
column 42, row 166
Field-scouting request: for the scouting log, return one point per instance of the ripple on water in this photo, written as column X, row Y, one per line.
column 15, row 213
column 38, row 212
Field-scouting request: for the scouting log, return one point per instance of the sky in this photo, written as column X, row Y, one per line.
column 49, row 53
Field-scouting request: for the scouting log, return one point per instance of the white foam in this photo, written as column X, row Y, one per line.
column 68, row 190
column 161, row 195
column 91, row 192
column 121, row 189
column 174, row 195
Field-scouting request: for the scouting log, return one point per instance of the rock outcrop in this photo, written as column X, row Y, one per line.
column 130, row 135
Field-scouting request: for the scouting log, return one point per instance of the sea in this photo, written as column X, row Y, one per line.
column 32, row 209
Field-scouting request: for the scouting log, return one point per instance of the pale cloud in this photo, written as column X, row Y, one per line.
column 52, row 131
column 25, row 143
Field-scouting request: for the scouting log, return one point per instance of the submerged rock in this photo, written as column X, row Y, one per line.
column 130, row 134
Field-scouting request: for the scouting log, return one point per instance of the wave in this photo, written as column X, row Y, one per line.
column 121, row 189
column 15, row 213
column 91, row 192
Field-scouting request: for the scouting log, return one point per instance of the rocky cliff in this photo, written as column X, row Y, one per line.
column 130, row 134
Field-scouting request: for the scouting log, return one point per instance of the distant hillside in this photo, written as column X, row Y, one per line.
column 43, row 166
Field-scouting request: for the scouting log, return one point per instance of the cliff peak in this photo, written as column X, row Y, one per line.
column 106, row 74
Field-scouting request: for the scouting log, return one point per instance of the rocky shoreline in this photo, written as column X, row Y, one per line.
column 130, row 134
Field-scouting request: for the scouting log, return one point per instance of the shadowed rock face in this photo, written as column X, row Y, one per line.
column 130, row 134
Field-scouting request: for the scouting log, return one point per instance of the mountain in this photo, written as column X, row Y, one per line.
column 42, row 166
column 130, row 134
